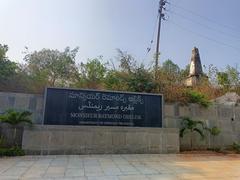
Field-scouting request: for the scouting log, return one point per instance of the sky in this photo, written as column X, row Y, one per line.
column 99, row 27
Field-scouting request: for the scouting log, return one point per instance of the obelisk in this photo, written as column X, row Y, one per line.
column 195, row 71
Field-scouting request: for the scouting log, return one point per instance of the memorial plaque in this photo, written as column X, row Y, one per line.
column 102, row 108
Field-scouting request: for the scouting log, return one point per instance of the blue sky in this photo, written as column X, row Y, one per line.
column 98, row 27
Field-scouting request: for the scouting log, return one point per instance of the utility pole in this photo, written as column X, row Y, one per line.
column 161, row 15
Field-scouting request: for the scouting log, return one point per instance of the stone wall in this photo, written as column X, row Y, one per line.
column 47, row 140
column 226, row 117
column 19, row 101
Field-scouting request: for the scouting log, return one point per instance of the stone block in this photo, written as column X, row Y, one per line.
column 195, row 110
column 226, row 125
column 56, row 139
column 156, row 149
column 225, row 112
column 136, row 138
column 37, row 118
column 3, row 103
column 98, row 140
column 73, row 139
column 76, row 150
column 33, row 140
column 171, row 122
column 32, row 104
column 209, row 113
column 227, row 139
column 155, row 140
column 184, row 111
column 118, row 139
column 21, row 103
column 236, row 127
column 11, row 102
column 101, row 138
column 169, row 110
column 172, row 139
column 40, row 103
column 88, row 137
column 137, row 149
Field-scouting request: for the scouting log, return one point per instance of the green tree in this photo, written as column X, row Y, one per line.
column 171, row 68
column 223, row 79
column 116, row 80
column 141, row 81
column 233, row 75
column 3, row 51
column 185, row 72
column 52, row 66
column 7, row 67
column 92, row 74
column 211, row 72
column 127, row 62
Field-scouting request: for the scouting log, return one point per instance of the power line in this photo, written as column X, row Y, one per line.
column 204, row 17
column 205, row 37
column 204, row 25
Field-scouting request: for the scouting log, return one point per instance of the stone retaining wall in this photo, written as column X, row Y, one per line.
column 46, row 140
column 19, row 101
column 226, row 117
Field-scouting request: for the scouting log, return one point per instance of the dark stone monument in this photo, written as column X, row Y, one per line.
column 102, row 108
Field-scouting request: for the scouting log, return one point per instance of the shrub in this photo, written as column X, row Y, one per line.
column 198, row 98
column 190, row 126
column 14, row 151
column 214, row 131
column 15, row 118
column 2, row 141
column 236, row 147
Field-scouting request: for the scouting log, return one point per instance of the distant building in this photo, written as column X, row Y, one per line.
column 195, row 72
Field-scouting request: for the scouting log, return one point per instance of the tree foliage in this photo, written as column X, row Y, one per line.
column 7, row 67
column 15, row 117
column 92, row 74
column 52, row 67
column 56, row 68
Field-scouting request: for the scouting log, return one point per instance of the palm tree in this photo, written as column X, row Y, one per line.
column 190, row 126
column 14, row 118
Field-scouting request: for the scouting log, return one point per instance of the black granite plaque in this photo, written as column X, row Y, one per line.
column 103, row 108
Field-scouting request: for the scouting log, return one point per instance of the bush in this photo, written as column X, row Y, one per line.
column 236, row 147
column 189, row 125
column 198, row 98
column 2, row 141
column 14, row 151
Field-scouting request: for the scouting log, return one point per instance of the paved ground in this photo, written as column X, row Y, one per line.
column 121, row 167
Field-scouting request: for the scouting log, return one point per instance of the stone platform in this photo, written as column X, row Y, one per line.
column 55, row 140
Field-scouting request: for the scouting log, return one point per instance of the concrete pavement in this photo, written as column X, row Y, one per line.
column 121, row 167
